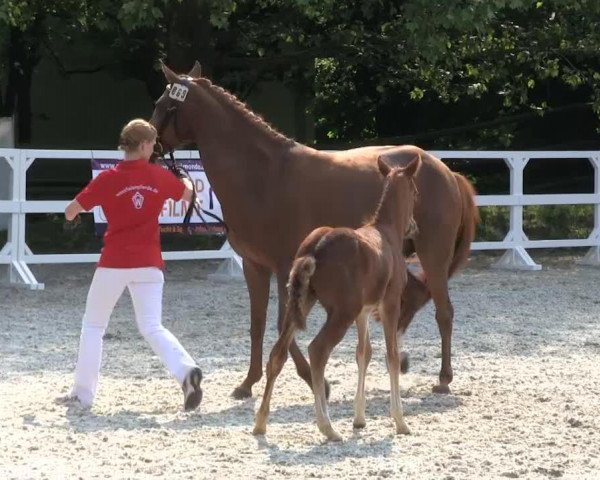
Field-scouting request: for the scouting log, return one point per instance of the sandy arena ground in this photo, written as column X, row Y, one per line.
column 524, row 401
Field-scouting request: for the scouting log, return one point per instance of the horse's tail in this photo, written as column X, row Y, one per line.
column 470, row 218
column 298, row 286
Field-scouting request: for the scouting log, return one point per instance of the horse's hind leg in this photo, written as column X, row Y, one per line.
column 302, row 367
column 437, row 282
column 276, row 361
column 258, row 282
column 363, row 357
column 319, row 351
column 414, row 296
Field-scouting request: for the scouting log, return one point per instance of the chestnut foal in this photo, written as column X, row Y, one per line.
column 352, row 273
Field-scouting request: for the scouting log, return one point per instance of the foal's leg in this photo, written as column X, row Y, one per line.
column 363, row 357
column 276, row 361
column 319, row 350
column 389, row 315
column 258, row 282
column 302, row 366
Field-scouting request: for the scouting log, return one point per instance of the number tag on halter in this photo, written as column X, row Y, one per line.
column 178, row 92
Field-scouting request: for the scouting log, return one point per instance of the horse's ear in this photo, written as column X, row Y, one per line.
column 384, row 168
column 196, row 71
column 412, row 167
column 170, row 75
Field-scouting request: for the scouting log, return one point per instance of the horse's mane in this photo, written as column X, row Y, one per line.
column 372, row 219
column 223, row 96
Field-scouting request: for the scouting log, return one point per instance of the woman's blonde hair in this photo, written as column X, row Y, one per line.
column 134, row 133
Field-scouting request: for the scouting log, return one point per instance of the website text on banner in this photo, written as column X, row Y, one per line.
column 171, row 217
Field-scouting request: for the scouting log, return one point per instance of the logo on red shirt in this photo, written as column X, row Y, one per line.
column 138, row 200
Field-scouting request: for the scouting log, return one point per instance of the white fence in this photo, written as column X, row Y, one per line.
column 17, row 256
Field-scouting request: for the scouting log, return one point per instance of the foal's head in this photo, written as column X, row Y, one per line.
column 399, row 193
column 172, row 111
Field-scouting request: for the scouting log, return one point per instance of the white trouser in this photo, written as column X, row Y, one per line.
column 146, row 287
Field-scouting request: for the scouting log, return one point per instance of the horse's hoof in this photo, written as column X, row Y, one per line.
column 240, row 393
column 259, row 430
column 443, row 389
column 404, row 362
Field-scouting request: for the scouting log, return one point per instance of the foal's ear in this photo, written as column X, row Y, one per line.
column 412, row 167
column 196, row 71
column 384, row 168
column 170, row 75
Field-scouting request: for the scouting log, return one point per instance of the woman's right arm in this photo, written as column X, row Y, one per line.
column 73, row 209
column 88, row 198
column 187, row 192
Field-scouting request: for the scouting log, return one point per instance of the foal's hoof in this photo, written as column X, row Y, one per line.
column 357, row 424
column 259, row 430
column 402, row 429
column 404, row 362
column 443, row 389
column 240, row 393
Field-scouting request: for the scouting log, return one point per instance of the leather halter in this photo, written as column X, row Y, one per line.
column 180, row 172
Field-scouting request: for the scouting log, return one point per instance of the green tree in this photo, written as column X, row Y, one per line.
column 484, row 63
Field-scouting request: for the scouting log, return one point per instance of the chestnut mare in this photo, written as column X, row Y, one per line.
column 273, row 191
column 352, row 274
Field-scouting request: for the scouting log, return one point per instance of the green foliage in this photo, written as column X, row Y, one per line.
column 549, row 222
column 365, row 64
column 540, row 222
column 494, row 224
column 506, row 57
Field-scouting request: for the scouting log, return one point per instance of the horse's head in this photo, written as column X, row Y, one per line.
column 401, row 188
column 172, row 115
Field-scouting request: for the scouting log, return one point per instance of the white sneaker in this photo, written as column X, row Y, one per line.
column 71, row 400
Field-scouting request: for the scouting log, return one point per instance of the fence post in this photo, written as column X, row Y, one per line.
column 592, row 257
column 516, row 258
column 19, row 273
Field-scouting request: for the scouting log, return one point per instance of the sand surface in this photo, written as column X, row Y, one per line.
column 524, row 402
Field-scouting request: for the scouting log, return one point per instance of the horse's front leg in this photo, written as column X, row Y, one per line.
column 302, row 366
column 363, row 357
column 258, row 282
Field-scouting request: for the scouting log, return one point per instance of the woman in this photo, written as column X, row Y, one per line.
column 131, row 195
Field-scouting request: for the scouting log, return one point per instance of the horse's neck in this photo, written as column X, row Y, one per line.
column 390, row 213
column 238, row 153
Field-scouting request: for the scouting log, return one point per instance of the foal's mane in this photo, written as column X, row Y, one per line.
column 228, row 98
column 386, row 187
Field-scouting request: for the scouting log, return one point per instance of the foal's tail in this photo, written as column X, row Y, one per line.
column 298, row 289
column 470, row 218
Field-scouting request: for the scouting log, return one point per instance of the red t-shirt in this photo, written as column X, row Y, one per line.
column 132, row 195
